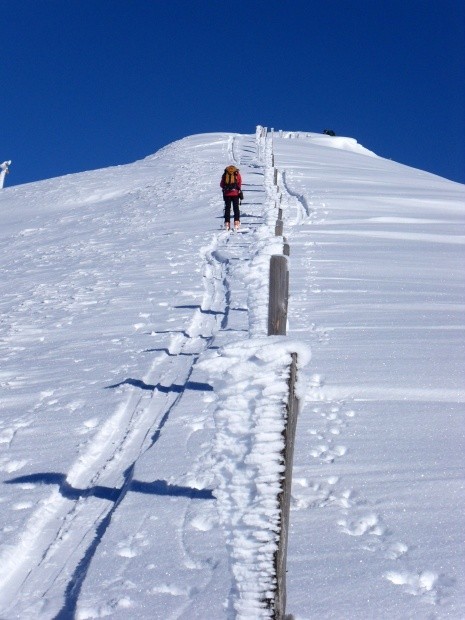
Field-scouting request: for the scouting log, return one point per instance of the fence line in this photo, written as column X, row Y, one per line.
column 277, row 325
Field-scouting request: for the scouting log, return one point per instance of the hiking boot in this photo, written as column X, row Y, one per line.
column 237, row 225
column 227, row 225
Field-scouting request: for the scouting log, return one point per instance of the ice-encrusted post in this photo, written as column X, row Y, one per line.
column 4, row 170
column 284, row 498
column 256, row 381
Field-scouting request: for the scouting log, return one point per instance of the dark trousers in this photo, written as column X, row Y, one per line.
column 234, row 202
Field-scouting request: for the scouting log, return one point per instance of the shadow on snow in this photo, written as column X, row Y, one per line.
column 157, row 487
column 165, row 389
column 115, row 495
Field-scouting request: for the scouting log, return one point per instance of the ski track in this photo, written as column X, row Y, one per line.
column 43, row 573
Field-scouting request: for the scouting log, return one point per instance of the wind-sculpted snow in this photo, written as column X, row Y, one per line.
column 141, row 398
column 334, row 142
column 251, row 381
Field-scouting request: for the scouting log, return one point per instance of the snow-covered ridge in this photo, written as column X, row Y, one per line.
column 121, row 296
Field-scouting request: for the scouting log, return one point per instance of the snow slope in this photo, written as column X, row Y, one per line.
column 136, row 374
column 378, row 293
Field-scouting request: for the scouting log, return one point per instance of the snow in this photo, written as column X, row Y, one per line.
column 142, row 401
column 251, row 381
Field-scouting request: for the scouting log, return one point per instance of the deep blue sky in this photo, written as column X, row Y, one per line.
column 88, row 84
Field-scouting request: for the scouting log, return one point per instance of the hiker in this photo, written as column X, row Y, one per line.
column 231, row 183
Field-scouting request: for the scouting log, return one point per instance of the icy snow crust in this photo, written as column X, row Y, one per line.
column 141, row 408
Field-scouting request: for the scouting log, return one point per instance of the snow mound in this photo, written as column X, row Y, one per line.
column 342, row 143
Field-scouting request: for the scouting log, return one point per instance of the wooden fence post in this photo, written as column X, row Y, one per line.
column 279, row 288
column 284, row 498
column 277, row 326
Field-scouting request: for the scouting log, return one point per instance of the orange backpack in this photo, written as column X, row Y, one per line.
column 230, row 178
